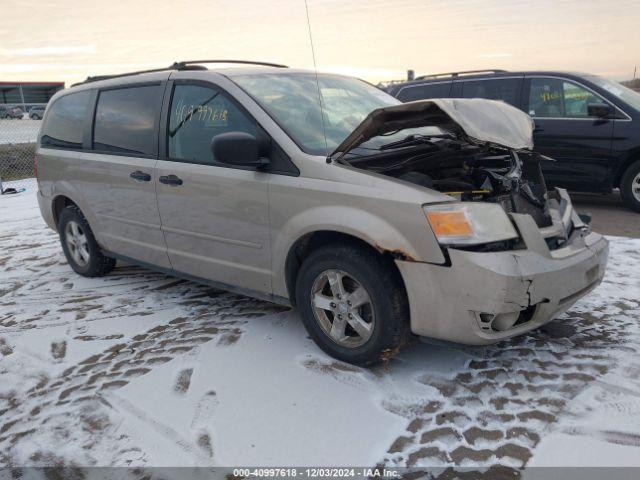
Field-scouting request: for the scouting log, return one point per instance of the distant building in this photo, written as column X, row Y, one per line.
column 27, row 94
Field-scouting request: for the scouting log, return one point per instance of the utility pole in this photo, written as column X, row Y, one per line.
column 634, row 71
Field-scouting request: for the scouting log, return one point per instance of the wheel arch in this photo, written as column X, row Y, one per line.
column 59, row 203
column 312, row 241
column 633, row 157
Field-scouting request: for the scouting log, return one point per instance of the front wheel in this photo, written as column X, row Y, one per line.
column 630, row 186
column 79, row 245
column 353, row 304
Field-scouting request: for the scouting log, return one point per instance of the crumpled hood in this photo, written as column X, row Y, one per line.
column 489, row 121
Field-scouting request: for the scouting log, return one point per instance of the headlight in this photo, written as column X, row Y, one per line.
column 469, row 223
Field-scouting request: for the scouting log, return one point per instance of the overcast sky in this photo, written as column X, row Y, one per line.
column 374, row 39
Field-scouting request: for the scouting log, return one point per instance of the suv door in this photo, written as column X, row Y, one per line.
column 579, row 144
column 214, row 217
column 118, row 177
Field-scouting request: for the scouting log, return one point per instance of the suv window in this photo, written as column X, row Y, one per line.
column 64, row 125
column 554, row 97
column 198, row 113
column 127, row 119
column 420, row 92
column 505, row 89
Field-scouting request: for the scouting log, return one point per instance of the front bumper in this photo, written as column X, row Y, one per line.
column 484, row 297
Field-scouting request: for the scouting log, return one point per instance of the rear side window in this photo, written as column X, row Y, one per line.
column 127, row 120
column 506, row 89
column 421, row 92
column 197, row 115
column 65, row 121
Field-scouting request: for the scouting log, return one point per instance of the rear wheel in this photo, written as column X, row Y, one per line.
column 80, row 246
column 352, row 303
column 630, row 186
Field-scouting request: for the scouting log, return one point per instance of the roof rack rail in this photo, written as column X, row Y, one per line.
column 97, row 78
column 458, row 74
column 183, row 65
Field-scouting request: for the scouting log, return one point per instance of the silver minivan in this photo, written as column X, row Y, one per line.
column 375, row 219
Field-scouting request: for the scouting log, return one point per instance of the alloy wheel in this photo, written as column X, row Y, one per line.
column 635, row 187
column 343, row 308
column 77, row 243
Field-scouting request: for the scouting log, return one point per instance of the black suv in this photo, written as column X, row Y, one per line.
column 588, row 124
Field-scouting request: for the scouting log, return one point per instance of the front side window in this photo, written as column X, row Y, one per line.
column 621, row 92
column 556, row 98
column 126, row 120
column 65, row 122
column 198, row 114
column 499, row 89
column 292, row 100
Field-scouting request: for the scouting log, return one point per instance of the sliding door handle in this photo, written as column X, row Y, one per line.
column 171, row 180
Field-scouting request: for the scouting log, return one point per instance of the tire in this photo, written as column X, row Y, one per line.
column 79, row 245
column 630, row 186
column 383, row 322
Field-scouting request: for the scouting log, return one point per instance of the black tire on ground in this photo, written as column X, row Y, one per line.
column 629, row 183
column 386, row 291
column 91, row 262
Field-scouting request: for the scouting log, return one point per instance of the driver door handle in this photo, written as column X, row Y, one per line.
column 140, row 176
column 171, row 180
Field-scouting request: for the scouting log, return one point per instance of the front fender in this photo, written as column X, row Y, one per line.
column 364, row 225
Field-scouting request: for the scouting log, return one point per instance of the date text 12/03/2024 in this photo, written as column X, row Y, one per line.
column 323, row 472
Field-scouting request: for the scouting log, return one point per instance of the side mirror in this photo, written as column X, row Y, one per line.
column 600, row 110
column 238, row 148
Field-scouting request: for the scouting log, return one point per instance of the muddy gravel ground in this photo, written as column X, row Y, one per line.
column 141, row 369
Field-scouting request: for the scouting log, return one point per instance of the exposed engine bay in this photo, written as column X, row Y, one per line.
column 465, row 170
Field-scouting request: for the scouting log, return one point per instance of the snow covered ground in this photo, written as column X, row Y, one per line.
column 140, row 369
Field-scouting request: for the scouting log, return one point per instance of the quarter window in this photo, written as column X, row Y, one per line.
column 556, row 98
column 430, row 90
column 198, row 114
column 64, row 125
column 126, row 120
column 499, row 89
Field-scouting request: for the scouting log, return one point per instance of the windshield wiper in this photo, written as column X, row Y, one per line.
column 413, row 140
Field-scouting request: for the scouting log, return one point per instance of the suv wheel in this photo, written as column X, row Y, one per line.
column 630, row 186
column 352, row 303
column 80, row 246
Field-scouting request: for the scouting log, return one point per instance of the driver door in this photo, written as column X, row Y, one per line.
column 579, row 144
column 214, row 217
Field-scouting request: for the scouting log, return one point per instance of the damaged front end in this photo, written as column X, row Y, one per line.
column 471, row 150
column 516, row 254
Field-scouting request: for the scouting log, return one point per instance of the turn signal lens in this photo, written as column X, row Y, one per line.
column 469, row 223
column 450, row 224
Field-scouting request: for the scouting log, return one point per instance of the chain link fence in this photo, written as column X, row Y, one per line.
column 17, row 153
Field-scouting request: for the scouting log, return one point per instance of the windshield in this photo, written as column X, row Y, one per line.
column 625, row 94
column 292, row 100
